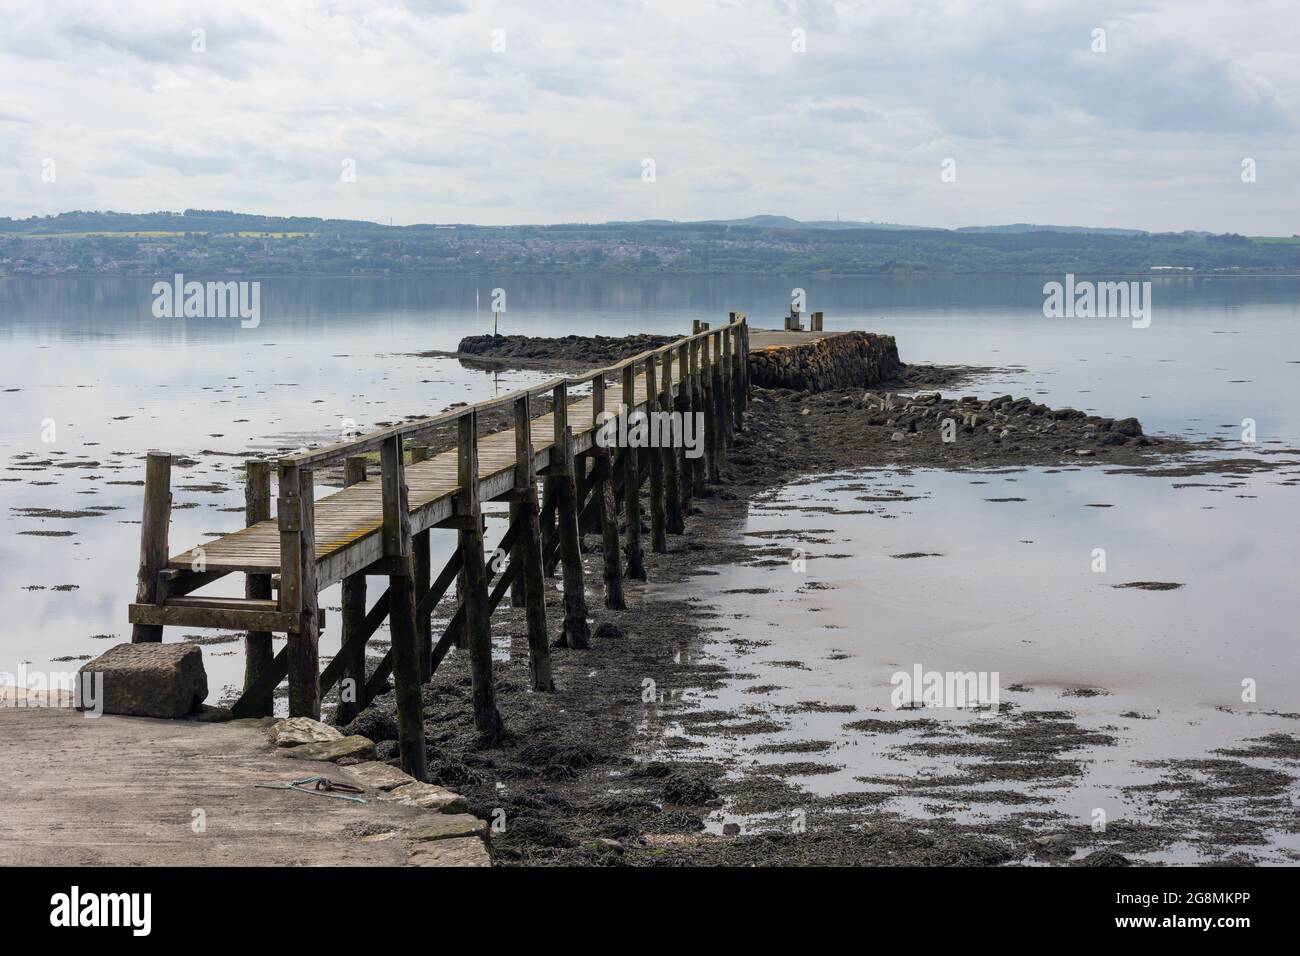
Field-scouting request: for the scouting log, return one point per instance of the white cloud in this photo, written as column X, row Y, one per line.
column 1149, row 134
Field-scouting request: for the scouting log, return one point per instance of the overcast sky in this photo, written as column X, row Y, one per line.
column 1151, row 133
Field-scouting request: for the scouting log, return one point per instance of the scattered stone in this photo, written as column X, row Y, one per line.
column 459, row 851
column 296, row 731
column 731, row 829
column 380, row 776
column 447, row 826
column 428, row 796
column 333, row 749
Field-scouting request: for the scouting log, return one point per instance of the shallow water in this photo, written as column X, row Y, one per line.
column 88, row 355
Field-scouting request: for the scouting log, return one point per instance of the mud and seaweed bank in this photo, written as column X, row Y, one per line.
column 844, row 360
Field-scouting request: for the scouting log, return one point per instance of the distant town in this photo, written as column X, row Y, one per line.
column 218, row 243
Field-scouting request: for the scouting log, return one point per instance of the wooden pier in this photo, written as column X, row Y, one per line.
column 377, row 525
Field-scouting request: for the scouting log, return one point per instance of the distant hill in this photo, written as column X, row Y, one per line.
column 223, row 243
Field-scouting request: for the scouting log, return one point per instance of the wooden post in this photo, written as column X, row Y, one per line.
column 712, row 438
column 258, row 652
column 632, row 484
column 518, row 598
column 352, row 596
column 153, row 539
column 700, row 408
column 672, row 483
column 744, row 359
column 401, row 609
column 296, row 511
column 682, row 403
column 606, row 507
column 736, row 395
column 478, row 615
column 816, row 322
column 576, row 631
column 422, row 570
column 658, row 514
column 720, row 411
column 725, row 404
column 528, row 549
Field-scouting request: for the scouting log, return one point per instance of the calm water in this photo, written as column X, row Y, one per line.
column 1011, row 589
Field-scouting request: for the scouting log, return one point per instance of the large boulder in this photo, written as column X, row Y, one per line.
column 151, row 679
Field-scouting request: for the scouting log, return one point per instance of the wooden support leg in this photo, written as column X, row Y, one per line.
column 401, row 611
column 297, row 517
column 258, row 651
column 606, row 507
column 709, row 405
column 632, row 488
column 518, row 598
column 669, row 453
column 550, row 528
column 153, row 539
column 421, row 567
column 658, row 507
column 682, row 405
column 737, row 395
column 528, row 551
column 550, row 531
column 353, row 616
column 576, row 633
column 478, row 613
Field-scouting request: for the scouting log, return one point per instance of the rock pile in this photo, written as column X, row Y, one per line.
column 1005, row 419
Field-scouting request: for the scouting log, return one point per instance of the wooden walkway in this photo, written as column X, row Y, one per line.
column 348, row 522
column 378, row 527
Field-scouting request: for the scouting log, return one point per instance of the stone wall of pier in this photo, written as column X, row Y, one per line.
column 852, row 359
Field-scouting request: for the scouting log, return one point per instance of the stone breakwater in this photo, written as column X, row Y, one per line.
column 1003, row 420
column 847, row 360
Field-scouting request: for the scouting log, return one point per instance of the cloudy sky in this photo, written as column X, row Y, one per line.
column 545, row 111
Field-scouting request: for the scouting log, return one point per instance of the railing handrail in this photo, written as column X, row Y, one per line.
column 373, row 440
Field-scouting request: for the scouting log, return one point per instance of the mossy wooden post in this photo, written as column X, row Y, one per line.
column 700, row 409
column 632, row 483
column 658, row 509
column 423, row 574
column 402, row 628
column 736, row 395
column 682, row 403
column 296, row 512
column 726, row 405
column 155, row 517
column 258, row 651
column 672, row 480
column 478, row 613
column 744, row 360
column 352, row 601
column 606, row 505
column 576, row 632
column 712, row 439
column 528, row 549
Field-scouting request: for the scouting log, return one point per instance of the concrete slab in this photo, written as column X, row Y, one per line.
column 128, row 791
